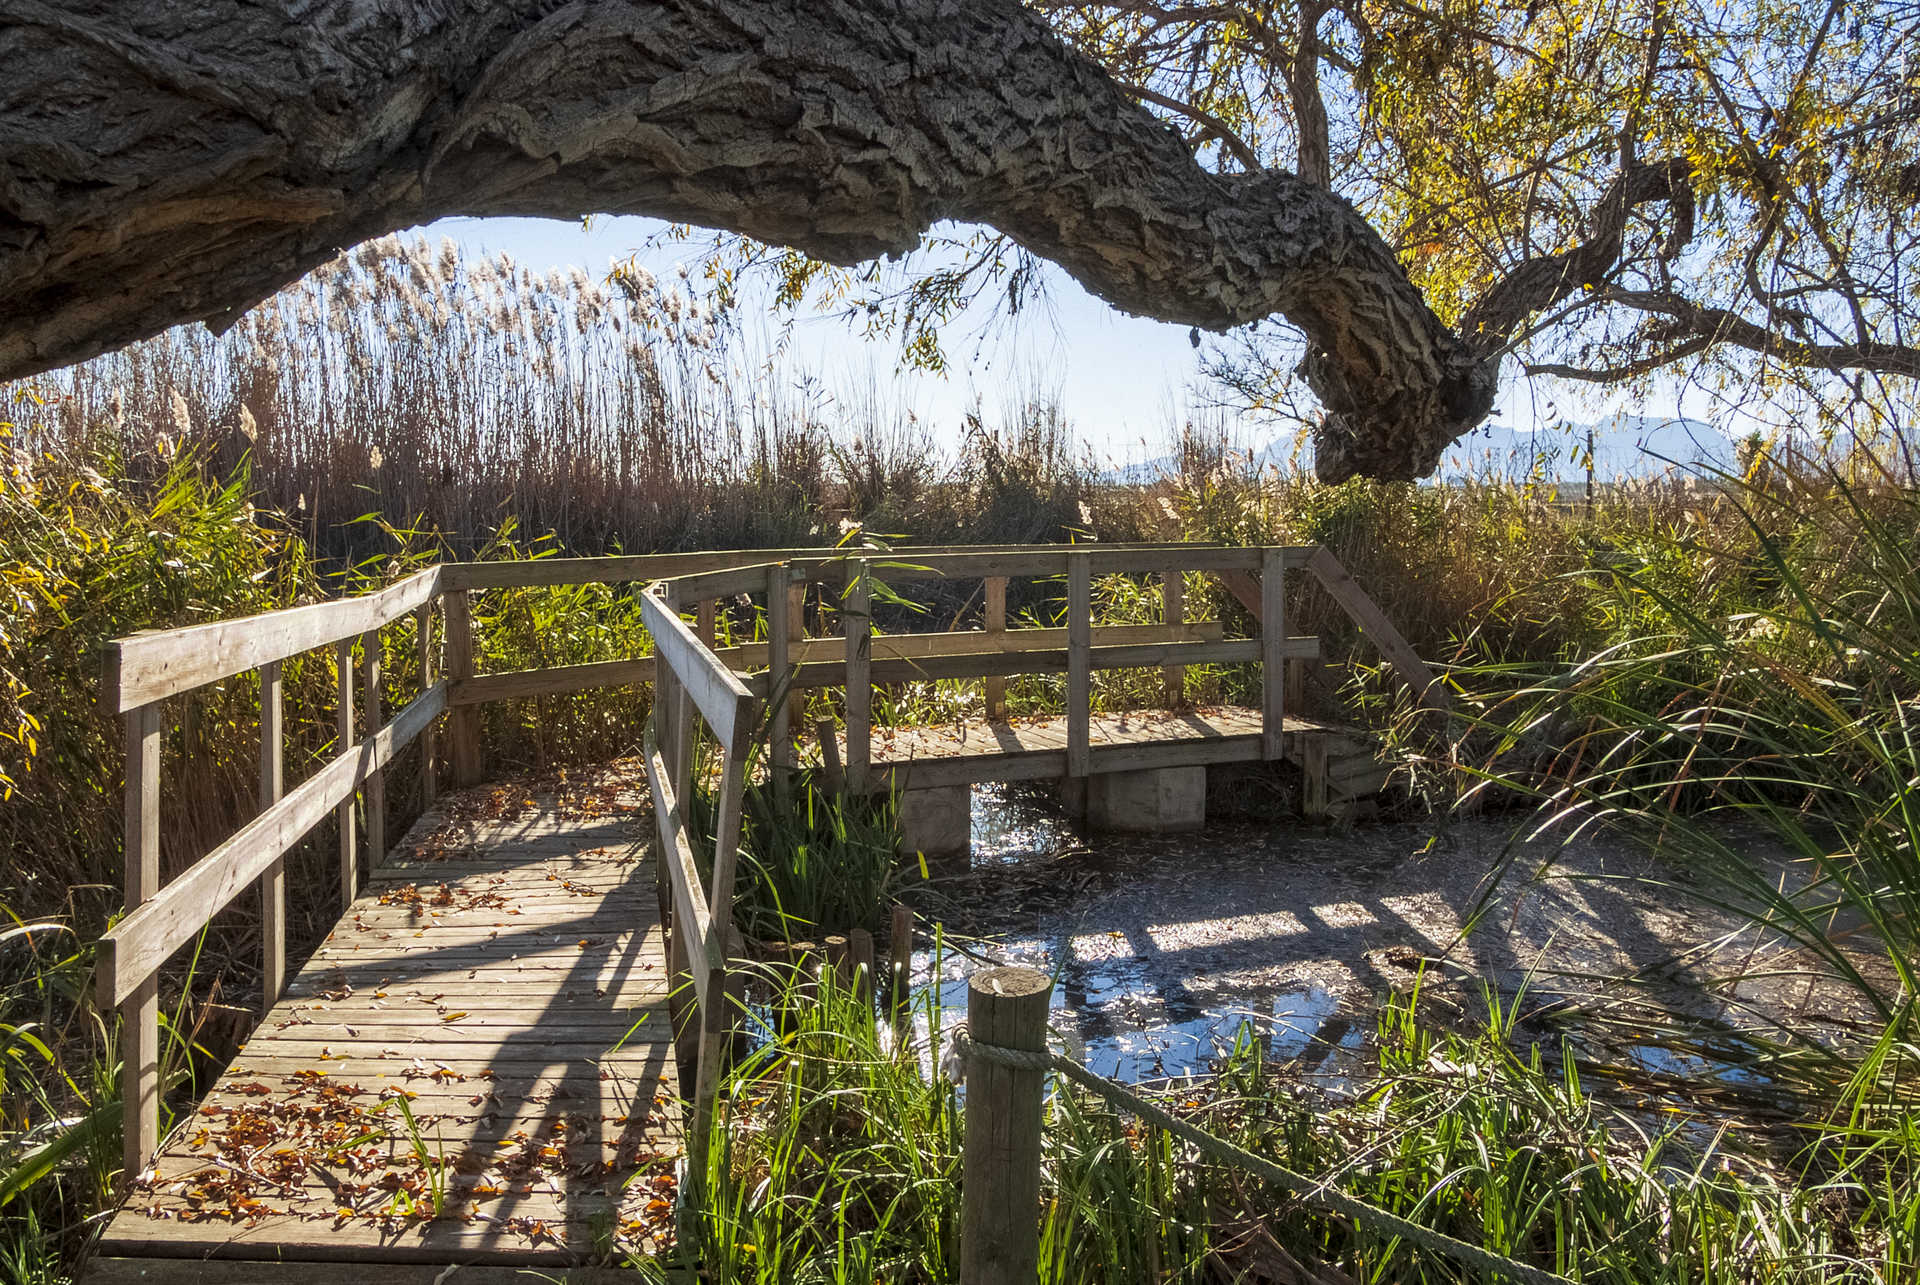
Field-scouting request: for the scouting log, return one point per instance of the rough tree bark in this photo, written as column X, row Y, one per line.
column 164, row 161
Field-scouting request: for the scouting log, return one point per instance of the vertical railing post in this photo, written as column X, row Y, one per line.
column 1000, row 1192
column 796, row 637
column 347, row 812
column 273, row 884
column 140, row 1014
column 1273, row 652
column 995, row 588
column 1173, row 613
column 1079, row 665
column 779, row 670
column 429, row 740
column 703, row 621
column 463, row 721
column 371, row 664
column 856, row 610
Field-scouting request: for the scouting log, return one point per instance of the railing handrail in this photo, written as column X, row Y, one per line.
column 157, row 663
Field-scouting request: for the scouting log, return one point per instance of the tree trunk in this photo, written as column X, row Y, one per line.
column 164, row 162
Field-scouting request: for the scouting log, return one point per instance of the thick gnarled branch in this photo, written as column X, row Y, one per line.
column 156, row 168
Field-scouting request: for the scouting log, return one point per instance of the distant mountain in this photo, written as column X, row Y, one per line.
column 1624, row 447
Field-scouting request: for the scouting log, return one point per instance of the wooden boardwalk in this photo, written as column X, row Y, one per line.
column 476, row 1068
column 501, row 980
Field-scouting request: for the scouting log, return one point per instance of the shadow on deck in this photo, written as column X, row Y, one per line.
column 503, row 976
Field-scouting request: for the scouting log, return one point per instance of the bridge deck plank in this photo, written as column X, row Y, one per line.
column 503, row 972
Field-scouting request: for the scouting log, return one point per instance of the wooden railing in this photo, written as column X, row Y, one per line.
column 691, row 679
column 724, row 686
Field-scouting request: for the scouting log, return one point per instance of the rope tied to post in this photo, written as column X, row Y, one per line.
column 1309, row 1190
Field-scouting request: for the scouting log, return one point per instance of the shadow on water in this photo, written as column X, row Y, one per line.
column 1175, row 949
column 1124, row 1017
column 1118, row 1023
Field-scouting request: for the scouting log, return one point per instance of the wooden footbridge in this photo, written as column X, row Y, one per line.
column 480, row 1066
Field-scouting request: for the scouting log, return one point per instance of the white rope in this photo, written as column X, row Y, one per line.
column 1310, row 1191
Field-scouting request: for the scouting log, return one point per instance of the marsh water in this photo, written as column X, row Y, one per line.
column 1168, row 950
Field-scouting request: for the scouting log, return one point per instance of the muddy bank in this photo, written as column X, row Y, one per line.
column 1168, row 947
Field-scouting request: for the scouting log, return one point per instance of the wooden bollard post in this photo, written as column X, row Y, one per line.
column 860, row 959
column 838, row 958
column 829, row 738
column 900, row 964
column 1000, row 1196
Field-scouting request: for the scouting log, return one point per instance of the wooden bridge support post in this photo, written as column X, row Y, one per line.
column 429, row 743
column 995, row 588
column 1315, row 800
column 1273, row 652
column 273, row 884
column 1173, row 612
column 856, row 610
column 1000, row 1196
column 463, row 721
column 371, row 664
column 346, row 812
column 140, row 1014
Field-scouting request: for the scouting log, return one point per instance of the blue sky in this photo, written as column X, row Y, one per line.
column 1124, row 381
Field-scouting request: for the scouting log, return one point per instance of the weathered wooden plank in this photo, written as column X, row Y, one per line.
column 723, row 700
column 374, row 788
column 463, row 725
column 151, row 666
column 1245, row 590
column 908, row 566
column 363, row 1240
column 1374, row 623
column 796, row 644
column 140, row 1014
column 135, row 947
column 273, row 884
column 346, row 813
column 779, row 665
column 429, row 739
column 692, row 918
column 630, row 568
column 287, row 1271
column 1051, row 661
column 1173, row 615
column 995, row 589
column 538, row 572
column 559, row 1067
column 1313, row 766
column 744, row 657
column 729, row 583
